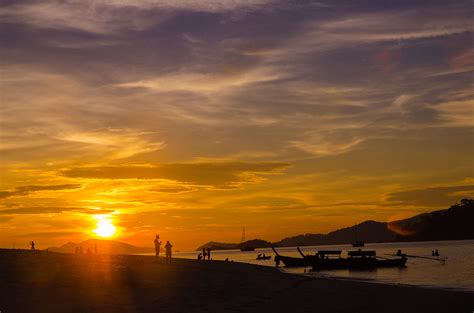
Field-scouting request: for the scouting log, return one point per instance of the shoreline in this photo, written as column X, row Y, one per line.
column 53, row 282
column 385, row 282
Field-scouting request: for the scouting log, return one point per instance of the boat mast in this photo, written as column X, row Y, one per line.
column 242, row 239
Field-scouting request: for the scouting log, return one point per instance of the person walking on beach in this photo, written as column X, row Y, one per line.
column 204, row 253
column 168, row 247
column 157, row 247
column 208, row 253
column 32, row 245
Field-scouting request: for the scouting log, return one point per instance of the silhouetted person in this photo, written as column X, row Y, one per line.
column 168, row 247
column 208, row 253
column 200, row 256
column 157, row 247
column 32, row 245
column 432, row 253
column 436, row 252
column 277, row 260
column 204, row 253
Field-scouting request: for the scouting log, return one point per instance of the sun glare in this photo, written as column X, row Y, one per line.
column 105, row 228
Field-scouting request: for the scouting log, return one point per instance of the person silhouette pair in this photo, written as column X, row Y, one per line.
column 168, row 251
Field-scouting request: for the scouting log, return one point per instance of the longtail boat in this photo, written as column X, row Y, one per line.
column 289, row 261
column 357, row 260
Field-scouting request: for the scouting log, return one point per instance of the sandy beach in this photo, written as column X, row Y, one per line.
column 49, row 282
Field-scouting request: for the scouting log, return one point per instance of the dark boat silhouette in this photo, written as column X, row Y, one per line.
column 332, row 260
column 357, row 260
column 289, row 261
column 263, row 257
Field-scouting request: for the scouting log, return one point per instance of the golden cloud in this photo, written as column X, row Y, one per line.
column 217, row 174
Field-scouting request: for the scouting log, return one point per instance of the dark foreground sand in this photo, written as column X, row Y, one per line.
column 49, row 282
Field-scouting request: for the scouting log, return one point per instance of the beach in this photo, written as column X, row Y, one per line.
column 39, row 281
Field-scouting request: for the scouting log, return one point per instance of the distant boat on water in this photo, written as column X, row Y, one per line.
column 244, row 247
column 247, row 248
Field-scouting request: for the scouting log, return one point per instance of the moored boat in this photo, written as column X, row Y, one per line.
column 357, row 260
column 289, row 261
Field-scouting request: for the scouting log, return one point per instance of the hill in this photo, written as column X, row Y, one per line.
column 103, row 247
column 255, row 243
column 368, row 231
column 454, row 223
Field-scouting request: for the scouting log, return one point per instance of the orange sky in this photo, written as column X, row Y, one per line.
column 191, row 119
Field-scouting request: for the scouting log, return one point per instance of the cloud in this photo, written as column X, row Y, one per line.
column 116, row 143
column 432, row 196
column 26, row 190
column 86, row 16
column 350, row 30
column 49, row 234
column 54, row 210
column 172, row 189
column 218, row 174
column 5, row 219
column 457, row 113
column 207, row 82
column 109, row 16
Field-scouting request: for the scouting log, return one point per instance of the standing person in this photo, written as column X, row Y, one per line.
column 208, row 253
column 204, row 254
column 32, row 245
column 157, row 247
column 168, row 247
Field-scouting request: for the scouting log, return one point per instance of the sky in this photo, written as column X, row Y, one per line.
column 194, row 118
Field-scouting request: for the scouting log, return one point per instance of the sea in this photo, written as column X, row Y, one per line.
column 457, row 272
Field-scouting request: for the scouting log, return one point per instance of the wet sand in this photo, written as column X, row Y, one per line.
column 50, row 282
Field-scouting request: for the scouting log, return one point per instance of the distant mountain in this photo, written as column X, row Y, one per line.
column 455, row 223
column 103, row 247
column 368, row 231
column 255, row 243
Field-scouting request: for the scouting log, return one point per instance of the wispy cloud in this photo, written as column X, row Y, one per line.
column 207, row 82
column 432, row 196
column 217, row 174
column 104, row 17
column 26, row 190
column 53, row 210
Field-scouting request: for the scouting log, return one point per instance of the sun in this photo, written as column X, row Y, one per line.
column 105, row 228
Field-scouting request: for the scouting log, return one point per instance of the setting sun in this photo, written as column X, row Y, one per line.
column 104, row 228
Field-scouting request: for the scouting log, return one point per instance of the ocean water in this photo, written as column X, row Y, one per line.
column 456, row 273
